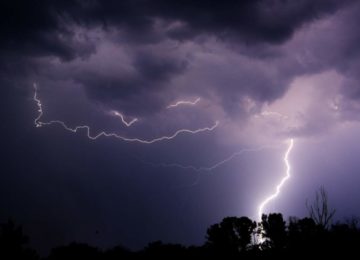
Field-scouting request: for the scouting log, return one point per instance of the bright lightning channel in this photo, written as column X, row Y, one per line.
column 184, row 102
column 118, row 114
column 282, row 182
column 38, row 123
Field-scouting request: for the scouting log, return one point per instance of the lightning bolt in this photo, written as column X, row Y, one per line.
column 207, row 168
column 38, row 123
column 118, row 114
column 183, row 102
column 39, row 105
column 282, row 182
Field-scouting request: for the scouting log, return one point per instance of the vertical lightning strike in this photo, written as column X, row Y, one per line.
column 282, row 182
column 39, row 105
column 38, row 123
column 183, row 102
column 118, row 114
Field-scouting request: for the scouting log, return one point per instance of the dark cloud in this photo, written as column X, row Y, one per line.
column 154, row 68
column 50, row 28
column 40, row 28
column 150, row 74
column 44, row 27
column 250, row 21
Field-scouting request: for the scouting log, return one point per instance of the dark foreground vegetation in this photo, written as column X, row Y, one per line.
column 233, row 238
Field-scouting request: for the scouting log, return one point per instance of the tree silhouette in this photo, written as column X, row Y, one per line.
column 273, row 229
column 231, row 236
column 245, row 230
column 13, row 242
column 229, row 239
column 160, row 250
column 119, row 252
column 319, row 210
column 303, row 235
column 75, row 251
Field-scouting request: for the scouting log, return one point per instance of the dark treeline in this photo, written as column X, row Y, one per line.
column 233, row 237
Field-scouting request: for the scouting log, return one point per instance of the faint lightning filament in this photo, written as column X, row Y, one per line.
column 118, row 114
column 38, row 123
column 208, row 168
column 282, row 182
column 184, row 102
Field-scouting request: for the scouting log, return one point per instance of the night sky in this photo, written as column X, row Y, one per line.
column 253, row 74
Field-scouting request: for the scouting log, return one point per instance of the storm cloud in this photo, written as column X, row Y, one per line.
column 160, row 40
column 265, row 70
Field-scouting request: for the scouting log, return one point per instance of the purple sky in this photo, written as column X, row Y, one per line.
column 267, row 71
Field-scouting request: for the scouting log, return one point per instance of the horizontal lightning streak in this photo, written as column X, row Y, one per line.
column 282, row 182
column 38, row 123
column 209, row 168
column 184, row 102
